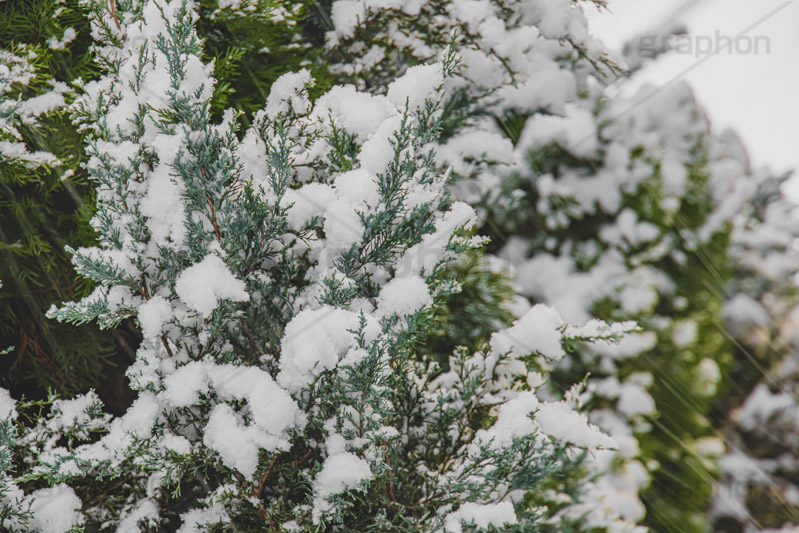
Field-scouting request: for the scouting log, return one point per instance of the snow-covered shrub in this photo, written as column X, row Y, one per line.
column 759, row 489
column 284, row 283
column 607, row 206
column 537, row 77
column 297, row 282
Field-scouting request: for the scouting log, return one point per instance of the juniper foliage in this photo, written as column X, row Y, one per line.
column 285, row 283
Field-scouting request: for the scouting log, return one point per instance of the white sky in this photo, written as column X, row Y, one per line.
column 757, row 95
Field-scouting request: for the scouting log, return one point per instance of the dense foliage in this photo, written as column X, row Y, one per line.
column 343, row 235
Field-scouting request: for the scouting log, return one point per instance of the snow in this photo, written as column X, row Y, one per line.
column 288, row 92
column 537, row 331
column 341, row 471
column 183, row 387
column 7, row 406
column 559, row 420
column 153, row 314
column 635, row 400
column 44, row 103
column 236, row 444
column 761, row 405
column 163, row 207
column 273, row 412
column 674, row 176
column 629, row 346
column 415, row 86
column 55, row 510
column 378, row 151
column 146, row 510
column 743, row 310
column 202, row 285
column 60, row 44
column 197, row 83
column 513, row 421
column 315, row 340
column 140, row 417
column 347, row 15
column 357, row 186
column 684, row 333
column 73, row 412
column 197, row 520
column 176, row 443
column 575, row 132
column 425, row 255
column 271, row 407
column 342, row 227
column 404, row 296
column 308, row 201
column 477, row 145
column 481, row 515
column 357, row 112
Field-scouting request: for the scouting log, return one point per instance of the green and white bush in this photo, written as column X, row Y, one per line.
column 284, row 284
column 330, row 343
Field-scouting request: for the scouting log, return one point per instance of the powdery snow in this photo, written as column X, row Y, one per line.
column 315, row 340
column 236, row 444
column 358, row 187
column 144, row 511
column 289, row 91
column 377, row 152
column 341, row 471
column 357, row 112
column 202, row 285
column 576, row 132
column 513, row 421
column 481, row 515
column 347, row 15
column 59, row 44
column 415, row 86
column 404, row 296
column 7, row 405
column 273, row 412
column 537, row 331
column 152, row 316
column 559, row 420
column 308, row 201
column 55, row 510
column 342, row 227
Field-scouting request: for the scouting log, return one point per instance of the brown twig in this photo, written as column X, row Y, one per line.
column 250, row 337
column 213, row 218
column 166, row 345
column 390, row 478
column 262, row 482
column 114, row 14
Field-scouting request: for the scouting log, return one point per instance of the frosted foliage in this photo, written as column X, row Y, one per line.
column 203, row 285
column 483, row 516
column 271, row 309
column 288, row 92
column 538, row 331
column 7, row 403
column 650, row 144
column 55, row 510
column 341, row 471
column 404, row 296
column 287, row 278
column 412, row 89
column 17, row 70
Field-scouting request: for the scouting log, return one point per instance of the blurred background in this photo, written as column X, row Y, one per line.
column 755, row 93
